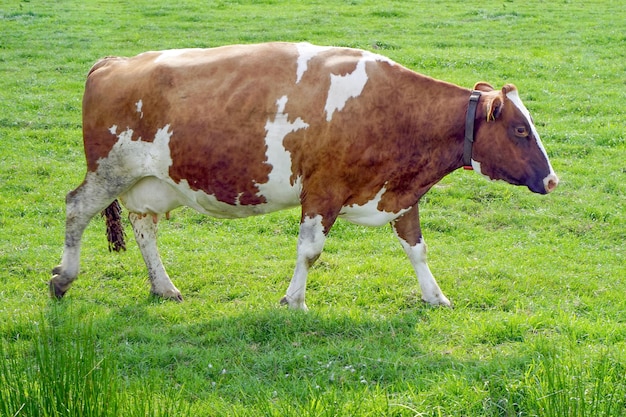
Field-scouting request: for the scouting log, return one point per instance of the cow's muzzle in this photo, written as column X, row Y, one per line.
column 550, row 182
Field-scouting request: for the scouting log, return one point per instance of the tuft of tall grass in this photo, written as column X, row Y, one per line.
column 62, row 371
column 575, row 384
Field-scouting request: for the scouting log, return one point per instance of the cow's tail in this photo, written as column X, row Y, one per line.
column 115, row 229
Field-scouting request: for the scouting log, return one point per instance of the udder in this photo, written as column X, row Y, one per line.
column 151, row 196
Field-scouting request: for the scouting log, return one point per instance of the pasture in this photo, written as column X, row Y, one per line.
column 538, row 326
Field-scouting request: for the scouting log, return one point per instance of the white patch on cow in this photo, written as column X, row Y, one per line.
column 148, row 158
column 370, row 56
column 477, row 168
column 515, row 99
column 344, row 87
column 172, row 53
column 149, row 162
column 431, row 293
column 306, row 51
column 139, row 106
column 311, row 241
column 281, row 103
column 145, row 230
column 369, row 214
column 278, row 190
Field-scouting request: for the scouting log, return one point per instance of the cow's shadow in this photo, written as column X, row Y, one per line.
column 246, row 353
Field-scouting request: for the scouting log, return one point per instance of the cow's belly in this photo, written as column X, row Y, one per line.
column 369, row 214
column 152, row 195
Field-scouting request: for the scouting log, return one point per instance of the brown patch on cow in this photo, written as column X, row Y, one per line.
column 408, row 226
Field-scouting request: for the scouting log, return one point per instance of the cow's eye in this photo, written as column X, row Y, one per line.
column 521, row 131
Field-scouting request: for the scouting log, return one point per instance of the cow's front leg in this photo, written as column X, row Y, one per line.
column 145, row 229
column 310, row 244
column 407, row 229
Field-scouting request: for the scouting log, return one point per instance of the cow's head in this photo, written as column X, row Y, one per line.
column 507, row 146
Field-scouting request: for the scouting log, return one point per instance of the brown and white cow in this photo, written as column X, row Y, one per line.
column 242, row 130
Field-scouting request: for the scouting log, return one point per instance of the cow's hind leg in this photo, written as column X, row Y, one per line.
column 407, row 229
column 310, row 244
column 145, row 229
column 82, row 205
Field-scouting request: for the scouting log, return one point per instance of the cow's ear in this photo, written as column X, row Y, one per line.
column 494, row 108
column 508, row 88
column 483, row 86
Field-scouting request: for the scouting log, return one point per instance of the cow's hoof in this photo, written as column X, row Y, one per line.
column 173, row 295
column 437, row 300
column 293, row 304
column 57, row 290
column 176, row 297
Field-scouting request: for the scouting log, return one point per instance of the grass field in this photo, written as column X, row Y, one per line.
column 538, row 326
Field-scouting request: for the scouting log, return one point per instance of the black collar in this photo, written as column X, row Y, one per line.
column 469, row 129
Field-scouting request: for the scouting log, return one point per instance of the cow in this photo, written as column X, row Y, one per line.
column 243, row 130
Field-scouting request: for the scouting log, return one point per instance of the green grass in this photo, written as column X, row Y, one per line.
column 62, row 370
column 538, row 283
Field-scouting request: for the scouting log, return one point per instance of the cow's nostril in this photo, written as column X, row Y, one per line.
column 551, row 183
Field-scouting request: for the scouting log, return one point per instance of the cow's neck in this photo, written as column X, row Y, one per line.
column 437, row 154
